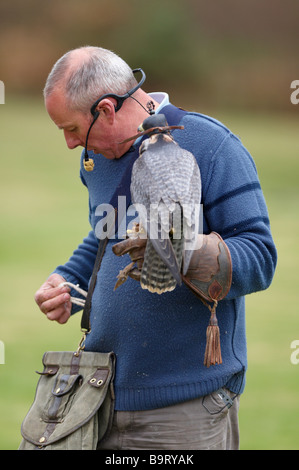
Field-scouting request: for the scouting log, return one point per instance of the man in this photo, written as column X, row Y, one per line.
column 166, row 398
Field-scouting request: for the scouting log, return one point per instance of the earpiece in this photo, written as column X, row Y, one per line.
column 119, row 100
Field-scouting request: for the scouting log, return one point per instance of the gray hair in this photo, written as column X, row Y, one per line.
column 96, row 72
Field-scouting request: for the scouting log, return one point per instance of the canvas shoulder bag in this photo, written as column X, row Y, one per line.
column 74, row 400
column 73, row 405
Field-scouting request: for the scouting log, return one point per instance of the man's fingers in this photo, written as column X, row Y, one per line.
column 60, row 314
column 54, row 302
column 47, row 292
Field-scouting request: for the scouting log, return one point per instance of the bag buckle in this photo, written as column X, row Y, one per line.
column 81, row 344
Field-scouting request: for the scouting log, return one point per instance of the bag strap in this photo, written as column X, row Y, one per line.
column 173, row 116
column 122, row 189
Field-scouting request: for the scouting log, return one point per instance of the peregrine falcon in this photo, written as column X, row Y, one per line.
column 166, row 191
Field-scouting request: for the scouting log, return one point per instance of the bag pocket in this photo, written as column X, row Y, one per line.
column 61, row 398
column 218, row 403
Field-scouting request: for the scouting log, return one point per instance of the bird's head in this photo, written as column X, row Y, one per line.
column 153, row 122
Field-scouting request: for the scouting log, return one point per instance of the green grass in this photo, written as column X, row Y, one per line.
column 270, row 406
column 43, row 218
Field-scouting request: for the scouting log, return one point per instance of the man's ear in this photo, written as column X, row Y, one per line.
column 106, row 109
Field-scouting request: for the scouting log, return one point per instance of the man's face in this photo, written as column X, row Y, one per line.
column 75, row 124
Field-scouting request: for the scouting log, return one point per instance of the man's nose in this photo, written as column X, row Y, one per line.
column 72, row 141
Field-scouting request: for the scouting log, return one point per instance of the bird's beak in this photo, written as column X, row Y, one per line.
column 140, row 128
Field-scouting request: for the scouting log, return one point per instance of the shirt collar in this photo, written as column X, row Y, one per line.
column 162, row 98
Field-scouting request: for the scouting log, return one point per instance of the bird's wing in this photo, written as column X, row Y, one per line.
column 166, row 181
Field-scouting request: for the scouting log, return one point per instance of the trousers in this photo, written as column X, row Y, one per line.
column 206, row 423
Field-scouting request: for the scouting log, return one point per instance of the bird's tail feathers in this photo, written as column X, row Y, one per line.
column 156, row 276
column 164, row 249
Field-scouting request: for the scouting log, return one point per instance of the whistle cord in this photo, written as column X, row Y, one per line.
column 76, row 300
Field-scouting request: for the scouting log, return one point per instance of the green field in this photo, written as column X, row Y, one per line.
column 43, row 218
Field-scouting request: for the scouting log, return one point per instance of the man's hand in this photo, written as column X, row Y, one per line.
column 54, row 301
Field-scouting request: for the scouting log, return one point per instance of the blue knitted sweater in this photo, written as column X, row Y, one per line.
column 159, row 340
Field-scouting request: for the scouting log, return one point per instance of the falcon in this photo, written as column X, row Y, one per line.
column 166, row 192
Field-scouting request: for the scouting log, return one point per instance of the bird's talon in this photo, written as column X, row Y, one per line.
column 123, row 275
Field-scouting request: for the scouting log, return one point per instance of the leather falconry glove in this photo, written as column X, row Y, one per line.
column 135, row 247
column 209, row 276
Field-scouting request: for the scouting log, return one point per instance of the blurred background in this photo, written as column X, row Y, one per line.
column 233, row 60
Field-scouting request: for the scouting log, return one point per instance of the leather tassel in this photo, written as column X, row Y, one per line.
column 213, row 349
